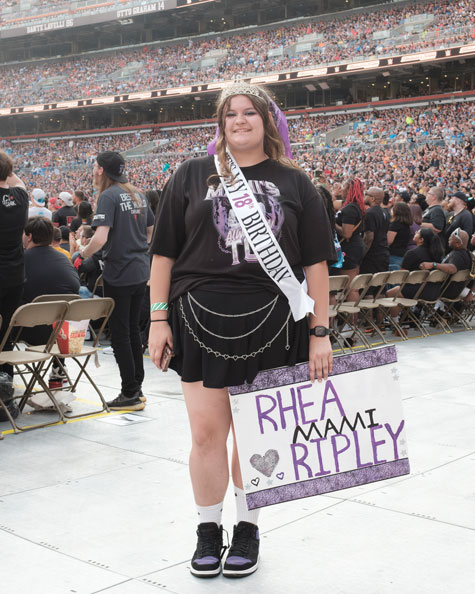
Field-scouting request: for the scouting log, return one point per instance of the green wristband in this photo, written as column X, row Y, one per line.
column 158, row 307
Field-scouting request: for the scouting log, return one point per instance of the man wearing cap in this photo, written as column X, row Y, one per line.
column 461, row 218
column 434, row 216
column 38, row 209
column 65, row 215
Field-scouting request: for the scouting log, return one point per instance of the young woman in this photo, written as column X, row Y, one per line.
column 349, row 226
column 399, row 234
column 123, row 223
column 225, row 318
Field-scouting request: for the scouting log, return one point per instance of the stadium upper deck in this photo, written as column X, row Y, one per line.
column 293, row 54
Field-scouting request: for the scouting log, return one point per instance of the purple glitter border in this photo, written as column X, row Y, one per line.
column 326, row 484
column 299, row 373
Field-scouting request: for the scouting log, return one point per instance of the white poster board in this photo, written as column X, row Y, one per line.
column 297, row 439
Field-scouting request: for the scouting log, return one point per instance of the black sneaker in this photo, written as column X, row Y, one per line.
column 243, row 555
column 206, row 561
column 123, row 402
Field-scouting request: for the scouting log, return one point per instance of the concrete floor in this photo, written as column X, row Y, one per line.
column 93, row 507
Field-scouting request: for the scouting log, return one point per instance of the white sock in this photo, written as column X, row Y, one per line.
column 210, row 513
column 242, row 513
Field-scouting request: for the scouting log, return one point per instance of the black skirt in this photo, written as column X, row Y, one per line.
column 264, row 335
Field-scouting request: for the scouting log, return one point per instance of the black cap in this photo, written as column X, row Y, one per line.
column 113, row 165
column 460, row 196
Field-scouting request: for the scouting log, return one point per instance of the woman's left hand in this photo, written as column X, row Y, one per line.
column 320, row 358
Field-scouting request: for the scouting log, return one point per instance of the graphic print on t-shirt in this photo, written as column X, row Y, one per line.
column 231, row 236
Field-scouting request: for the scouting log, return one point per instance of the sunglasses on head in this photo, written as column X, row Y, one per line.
column 456, row 235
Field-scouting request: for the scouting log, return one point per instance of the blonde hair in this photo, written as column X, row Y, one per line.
column 273, row 145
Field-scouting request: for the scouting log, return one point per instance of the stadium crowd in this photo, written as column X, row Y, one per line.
column 439, row 137
column 344, row 37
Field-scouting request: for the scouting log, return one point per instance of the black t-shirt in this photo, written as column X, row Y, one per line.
column 64, row 216
column 462, row 260
column 412, row 261
column 413, row 258
column 196, row 226
column 353, row 248
column 77, row 222
column 48, row 272
column 350, row 215
column 126, row 260
column 14, row 205
column 435, row 215
column 462, row 220
column 401, row 241
column 387, row 215
column 375, row 221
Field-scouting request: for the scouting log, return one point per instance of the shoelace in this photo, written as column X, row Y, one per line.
column 241, row 539
column 208, row 544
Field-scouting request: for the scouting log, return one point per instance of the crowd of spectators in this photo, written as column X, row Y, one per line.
column 344, row 37
column 375, row 148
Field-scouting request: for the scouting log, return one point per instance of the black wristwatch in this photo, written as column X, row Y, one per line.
column 319, row 331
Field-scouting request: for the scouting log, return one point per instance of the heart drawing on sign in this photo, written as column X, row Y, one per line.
column 280, row 476
column 255, row 481
column 265, row 464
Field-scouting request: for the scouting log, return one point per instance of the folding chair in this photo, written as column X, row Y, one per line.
column 99, row 283
column 349, row 309
column 368, row 303
column 338, row 285
column 451, row 304
column 415, row 277
column 385, row 304
column 428, row 310
column 84, row 309
column 31, row 315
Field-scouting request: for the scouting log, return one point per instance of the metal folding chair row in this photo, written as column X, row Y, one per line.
column 39, row 359
column 373, row 308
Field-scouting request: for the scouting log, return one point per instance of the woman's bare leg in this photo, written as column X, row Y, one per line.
column 209, row 414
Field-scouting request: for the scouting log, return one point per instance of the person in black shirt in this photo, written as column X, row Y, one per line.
column 14, row 204
column 67, row 213
column 458, row 259
column 461, row 218
column 399, row 234
column 349, row 226
column 47, row 271
column 375, row 238
column 428, row 248
column 434, row 216
column 203, row 263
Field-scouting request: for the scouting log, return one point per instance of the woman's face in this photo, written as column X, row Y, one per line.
column 244, row 128
column 417, row 238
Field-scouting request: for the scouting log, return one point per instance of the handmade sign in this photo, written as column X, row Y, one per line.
column 297, row 439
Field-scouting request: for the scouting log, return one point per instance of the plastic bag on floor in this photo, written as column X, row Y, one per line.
column 41, row 402
column 6, row 395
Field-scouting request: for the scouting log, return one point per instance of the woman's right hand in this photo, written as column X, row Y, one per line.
column 160, row 334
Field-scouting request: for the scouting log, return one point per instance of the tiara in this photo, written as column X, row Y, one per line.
column 240, row 89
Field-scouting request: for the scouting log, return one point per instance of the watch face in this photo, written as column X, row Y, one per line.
column 320, row 331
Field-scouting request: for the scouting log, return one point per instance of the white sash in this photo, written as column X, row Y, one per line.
column 263, row 242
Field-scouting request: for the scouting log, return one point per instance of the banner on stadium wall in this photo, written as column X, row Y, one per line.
column 297, row 439
column 77, row 21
